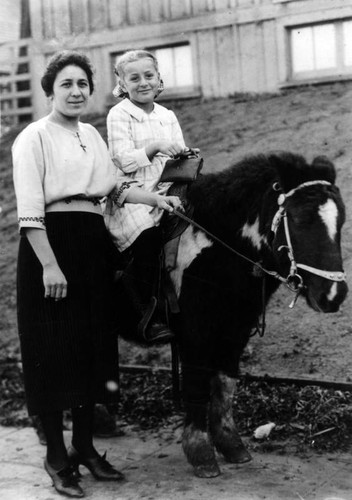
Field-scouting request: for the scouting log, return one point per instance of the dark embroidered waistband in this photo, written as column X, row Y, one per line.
column 74, row 204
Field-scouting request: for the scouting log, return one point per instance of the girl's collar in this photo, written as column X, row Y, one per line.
column 134, row 110
column 144, row 108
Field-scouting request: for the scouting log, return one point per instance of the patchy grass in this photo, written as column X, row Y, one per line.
column 308, row 417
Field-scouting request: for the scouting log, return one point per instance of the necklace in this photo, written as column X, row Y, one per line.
column 80, row 142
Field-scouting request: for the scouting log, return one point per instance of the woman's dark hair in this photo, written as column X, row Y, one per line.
column 60, row 61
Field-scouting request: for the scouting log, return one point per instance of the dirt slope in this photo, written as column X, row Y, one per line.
column 311, row 121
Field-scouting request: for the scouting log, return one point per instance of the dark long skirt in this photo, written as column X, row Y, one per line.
column 69, row 347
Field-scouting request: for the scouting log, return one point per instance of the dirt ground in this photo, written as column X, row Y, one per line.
column 155, row 469
column 311, row 121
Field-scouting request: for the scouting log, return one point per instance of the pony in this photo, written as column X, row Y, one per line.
column 266, row 220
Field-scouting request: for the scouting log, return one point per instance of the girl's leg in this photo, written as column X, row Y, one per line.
column 140, row 281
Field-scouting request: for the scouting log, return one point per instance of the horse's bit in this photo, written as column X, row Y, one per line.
column 294, row 281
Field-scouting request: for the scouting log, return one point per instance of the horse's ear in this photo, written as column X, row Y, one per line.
column 324, row 169
column 291, row 169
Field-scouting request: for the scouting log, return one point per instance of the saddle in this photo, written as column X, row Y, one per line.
column 172, row 228
column 182, row 171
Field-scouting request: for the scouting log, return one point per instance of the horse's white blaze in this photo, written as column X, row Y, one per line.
column 251, row 231
column 191, row 244
column 333, row 292
column 328, row 213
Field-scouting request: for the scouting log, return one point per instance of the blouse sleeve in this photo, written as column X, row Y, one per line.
column 177, row 134
column 28, row 174
column 119, row 193
column 121, row 144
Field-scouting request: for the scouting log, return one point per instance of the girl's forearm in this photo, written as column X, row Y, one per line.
column 152, row 150
column 138, row 195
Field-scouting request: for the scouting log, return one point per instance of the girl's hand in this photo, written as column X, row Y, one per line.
column 168, row 203
column 170, row 148
column 54, row 281
column 195, row 150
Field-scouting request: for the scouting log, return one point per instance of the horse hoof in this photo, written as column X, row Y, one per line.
column 207, row 470
column 238, row 456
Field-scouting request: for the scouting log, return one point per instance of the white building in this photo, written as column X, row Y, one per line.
column 208, row 48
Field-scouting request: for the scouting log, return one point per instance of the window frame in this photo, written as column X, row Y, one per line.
column 289, row 21
column 339, row 69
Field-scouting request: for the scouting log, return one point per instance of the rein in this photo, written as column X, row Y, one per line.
column 294, row 281
column 228, row 247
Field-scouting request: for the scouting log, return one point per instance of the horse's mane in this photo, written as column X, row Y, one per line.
column 239, row 190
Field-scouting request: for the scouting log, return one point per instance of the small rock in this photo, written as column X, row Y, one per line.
column 263, row 431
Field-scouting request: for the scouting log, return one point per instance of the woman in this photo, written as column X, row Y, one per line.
column 62, row 170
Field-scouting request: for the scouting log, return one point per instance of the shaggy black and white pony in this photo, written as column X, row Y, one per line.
column 278, row 211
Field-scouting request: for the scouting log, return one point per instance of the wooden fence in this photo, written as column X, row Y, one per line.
column 16, row 92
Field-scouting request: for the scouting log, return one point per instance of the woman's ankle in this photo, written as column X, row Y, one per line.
column 57, row 462
column 86, row 451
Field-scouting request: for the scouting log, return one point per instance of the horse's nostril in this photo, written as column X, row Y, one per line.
column 331, row 305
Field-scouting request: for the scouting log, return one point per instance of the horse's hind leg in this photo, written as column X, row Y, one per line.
column 222, row 426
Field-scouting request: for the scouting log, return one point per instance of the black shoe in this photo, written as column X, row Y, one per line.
column 151, row 328
column 104, row 423
column 158, row 332
column 101, row 469
column 64, row 481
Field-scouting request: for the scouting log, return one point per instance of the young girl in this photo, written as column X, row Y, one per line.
column 142, row 136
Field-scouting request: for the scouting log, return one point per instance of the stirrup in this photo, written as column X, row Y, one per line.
column 147, row 316
column 157, row 332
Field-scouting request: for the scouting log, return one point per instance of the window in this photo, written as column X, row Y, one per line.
column 347, row 43
column 321, row 50
column 175, row 65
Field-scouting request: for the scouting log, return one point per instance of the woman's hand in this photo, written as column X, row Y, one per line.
column 168, row 203
column 54, row 281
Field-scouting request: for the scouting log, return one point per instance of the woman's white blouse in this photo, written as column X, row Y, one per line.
column 50, row 165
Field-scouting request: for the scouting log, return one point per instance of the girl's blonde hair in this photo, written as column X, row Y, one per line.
column 133, row 56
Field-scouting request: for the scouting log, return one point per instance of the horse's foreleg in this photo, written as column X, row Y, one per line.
column 222, row 426
column 197, row 444
column 196, row 441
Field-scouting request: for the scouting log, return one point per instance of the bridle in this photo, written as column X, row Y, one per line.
column 293, row 281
